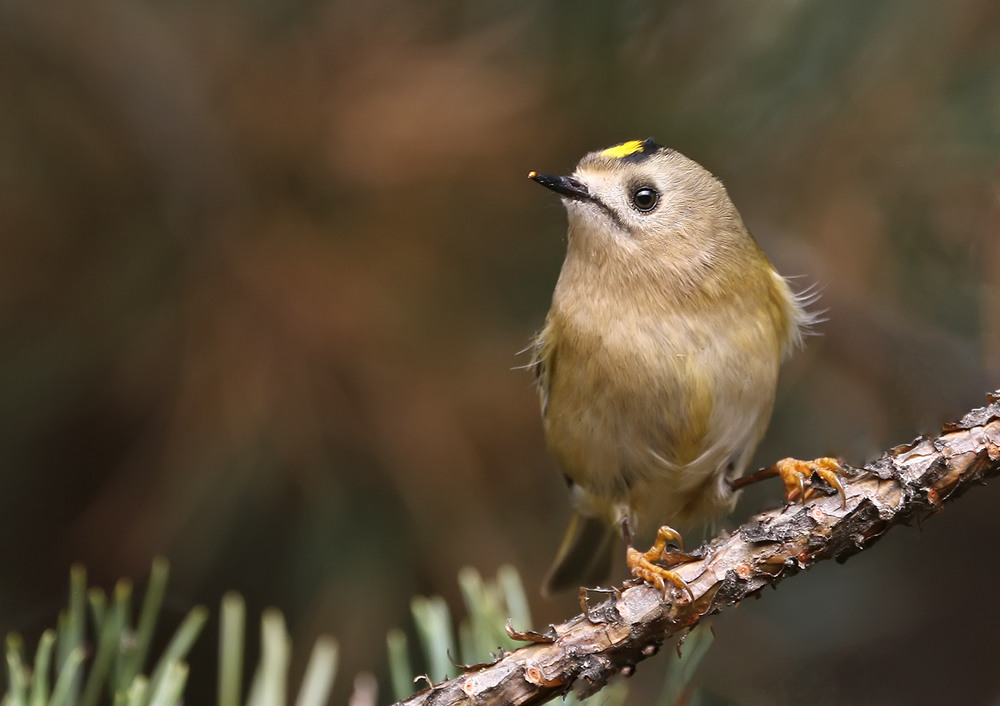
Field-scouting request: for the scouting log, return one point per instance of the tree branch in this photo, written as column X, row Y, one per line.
column 909, row 482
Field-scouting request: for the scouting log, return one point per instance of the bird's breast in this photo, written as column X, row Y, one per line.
column 657, row 399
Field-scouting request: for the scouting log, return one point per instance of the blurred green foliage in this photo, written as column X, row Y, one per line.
column 107, row 663
column 264, row 268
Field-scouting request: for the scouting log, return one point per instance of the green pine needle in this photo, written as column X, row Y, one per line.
column 179, row 646
column 400, row 671
column 433, row 622
column 43, row 666
column 132, row 663
column 268, row 687
column 100, row 669
column 168, row 692
column 17, row 673
column 318, row 679
column 68, row 677
column 137, row 692
column 232, row 629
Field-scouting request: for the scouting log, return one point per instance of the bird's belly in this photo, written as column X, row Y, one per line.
column 651, row 422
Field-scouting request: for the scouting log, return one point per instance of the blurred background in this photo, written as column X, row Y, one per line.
column 265, row 268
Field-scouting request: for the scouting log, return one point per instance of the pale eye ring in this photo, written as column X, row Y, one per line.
column 645, row 199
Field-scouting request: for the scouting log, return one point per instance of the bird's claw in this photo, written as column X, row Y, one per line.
column 643, row 566
column 794, row 474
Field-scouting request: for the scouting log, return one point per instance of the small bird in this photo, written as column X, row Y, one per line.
column 658, row 360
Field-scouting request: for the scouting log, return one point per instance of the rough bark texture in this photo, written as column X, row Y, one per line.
column 909, row 482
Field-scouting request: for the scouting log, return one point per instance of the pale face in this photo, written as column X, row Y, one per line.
column 640, row 192
column 640, row 207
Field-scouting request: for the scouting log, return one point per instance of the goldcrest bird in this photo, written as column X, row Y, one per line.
column 658, row 360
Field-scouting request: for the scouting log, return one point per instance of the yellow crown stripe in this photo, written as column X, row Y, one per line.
column 623, row 150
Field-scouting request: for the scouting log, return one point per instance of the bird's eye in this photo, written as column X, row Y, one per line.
column 645, row 199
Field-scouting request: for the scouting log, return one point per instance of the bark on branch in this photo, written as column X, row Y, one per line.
column 909, row 482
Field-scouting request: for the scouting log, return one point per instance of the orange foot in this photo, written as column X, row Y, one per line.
column 643, row 567
column 794, row 474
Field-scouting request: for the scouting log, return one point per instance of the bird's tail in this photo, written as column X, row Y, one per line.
column 584, row 559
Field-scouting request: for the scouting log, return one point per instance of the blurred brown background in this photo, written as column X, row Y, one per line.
column 265, row 267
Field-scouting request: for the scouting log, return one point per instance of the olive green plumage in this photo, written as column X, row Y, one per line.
column 659, row 357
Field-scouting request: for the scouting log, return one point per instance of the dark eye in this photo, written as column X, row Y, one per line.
column 645, row 199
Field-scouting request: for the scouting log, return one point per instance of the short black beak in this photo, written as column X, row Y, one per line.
column 562, row 185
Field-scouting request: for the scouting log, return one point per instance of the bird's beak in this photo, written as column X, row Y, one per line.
column 563, row 185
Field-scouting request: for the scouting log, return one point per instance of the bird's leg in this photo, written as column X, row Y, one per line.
column 643, row 565
column 626, row 527
column 794, row 474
